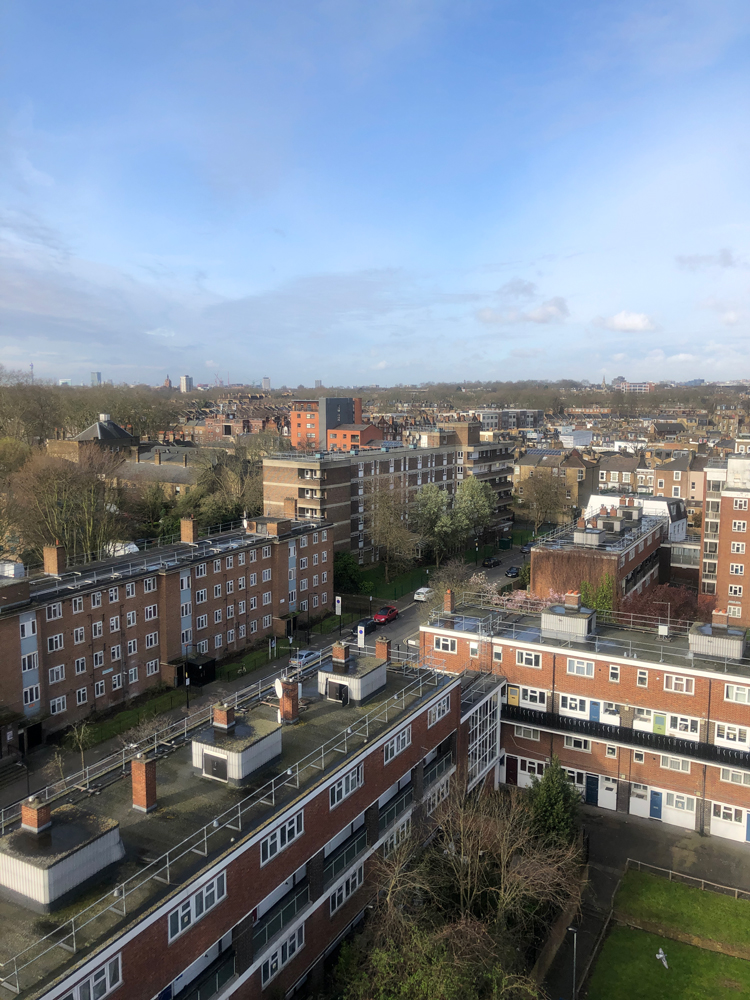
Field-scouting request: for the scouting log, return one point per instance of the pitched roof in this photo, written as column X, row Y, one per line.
column 106, row 430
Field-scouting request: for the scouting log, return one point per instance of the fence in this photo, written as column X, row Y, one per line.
column 692, row 880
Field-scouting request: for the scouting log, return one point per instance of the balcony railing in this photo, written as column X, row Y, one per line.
column 437, row 769
column 344, row 857
column 393, row 809
column 279, row 916
column 655, row 742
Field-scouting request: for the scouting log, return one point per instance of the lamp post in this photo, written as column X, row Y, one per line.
column 187, row 692
column 574, row 932
column 669, row 611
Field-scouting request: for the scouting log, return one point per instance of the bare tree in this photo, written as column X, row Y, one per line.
column 387, row 525
column 145, row 729
column 80, row 737
column 543, row 497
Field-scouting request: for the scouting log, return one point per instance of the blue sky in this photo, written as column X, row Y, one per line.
column 375, row 192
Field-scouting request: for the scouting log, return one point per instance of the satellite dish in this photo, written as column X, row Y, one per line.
column 278, row 688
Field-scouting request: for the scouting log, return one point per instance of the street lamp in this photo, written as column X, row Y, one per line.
column 669, row 611
column 574, row 932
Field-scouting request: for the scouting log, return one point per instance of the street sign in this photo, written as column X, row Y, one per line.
column 338, row 605
column 360, row 635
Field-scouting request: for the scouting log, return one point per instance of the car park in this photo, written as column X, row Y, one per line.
column 388, row 613
column 490, row 562
column 423, row 594
column 513, row 572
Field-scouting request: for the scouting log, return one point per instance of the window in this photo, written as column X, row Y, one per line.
column 82, row 696
column 242, row 631
column 733, row 692
column 186, row 610
column 58, row 705
column 324, row 577
column 444, row 644
column 96, row 600
column 217, row 590
column 281, row 837
column 99, row 659
column 680, row 685
column 56, row 674
column 130, row 590
column 151, row 612
column 614, row 673
column 114, row 623
column 683, row 725
column 676, row 801
column 267, row 597
column 728, row 813
column 81, row 665
column 152, row 639
column 731, row 734
column 217, row 565
column 54, row 611
column 344, row 787
column 149, row 585
column 115, row 652
column 397, row 744
column 30, row 661
column 114, row 595
column 31, row 694
column 200, row 570
column 675, row 764
column 186, row 636
column 28, row 629
column 241, row 559
column 638, row 756
column 132, row 675
column 439, row 711
column 583, row 668
column 254, row 555
column 576, row 743
column 735, row 590
column 302, row 563
column 497, row 654
column 611, row 750
column 534, row 696
column 201, row 622
column 735, row 777
column 642, row 678
column 241, row 583
column 197, row 906
column 572, row 704
column 217, row 616
column 266, row 553
column 116, row 682
column 54, row 642
column 230, row 586
column 152, row 667
column 303, row 584
column 324, row 556
column 437, row 794
column 201, row 596
column 99, row 689
column 267, row 621
column 77, row 605
column 347, row 888
column 397, row 837
column 253, row 603
column 525, row 733
column 131, row 618
column 740, row 504
column 734, row 610
column 283, row 954
column 525, row 658
column 739, row 525
column 102, row 982
column 132, row 647
column 230, row 611
column 736, row 569
column 97, row 630
column 241, row 608
column 738, row 548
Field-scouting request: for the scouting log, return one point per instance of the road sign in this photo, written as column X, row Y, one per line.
column 338, row 605
column 360, row 635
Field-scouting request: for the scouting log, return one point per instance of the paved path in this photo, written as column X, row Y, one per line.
column 615, row 837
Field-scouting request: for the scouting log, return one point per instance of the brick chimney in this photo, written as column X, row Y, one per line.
column 340, row 655
column 184, row 460
column 223, row 717
column 36, row 815
column 188, row 530
column 449, row 602
column 613, row 511
column 719, row 618
column 581, row 523
column 602, row 511
column 289, row 702
column 143, row 775
column 383, row 648
column 55, row 561
column 290, row 507
column 157, row 458
column 573, row 600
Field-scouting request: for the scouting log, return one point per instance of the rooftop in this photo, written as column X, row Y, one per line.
column 567, row 535
column 197, row 819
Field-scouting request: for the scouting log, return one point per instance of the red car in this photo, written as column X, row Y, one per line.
column 385, row 615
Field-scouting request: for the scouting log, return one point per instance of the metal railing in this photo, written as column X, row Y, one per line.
column 691, row 880
column 281, row 914
column 343, row 858
column 437, row 769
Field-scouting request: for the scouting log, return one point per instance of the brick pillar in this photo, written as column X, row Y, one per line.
column 223, row 717
column 36, row 815
column 449, row 602
column 188, row 530
column 289, row 701
column 143, row 773
column 371, row 822
column 55, row 561
column 383, row 648
column 315, row 875
column 290, row 508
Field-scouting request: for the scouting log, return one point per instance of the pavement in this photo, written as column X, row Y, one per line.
column 615, row 837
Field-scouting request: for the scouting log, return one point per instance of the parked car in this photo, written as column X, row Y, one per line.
column 388, row 613
column 423, row 594
column 303, row 657
column 525, row 549
column 490, row 562
column 513, row 572
column 368, row 624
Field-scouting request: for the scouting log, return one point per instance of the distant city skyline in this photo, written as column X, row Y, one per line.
column 400, row 192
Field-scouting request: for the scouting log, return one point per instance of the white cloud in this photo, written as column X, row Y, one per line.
column 626, row 322
column 554, row 310
column 160, row 331
column 518, row 288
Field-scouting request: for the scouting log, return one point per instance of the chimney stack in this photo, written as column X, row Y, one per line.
column 188, row 530
column 143, row 776
column 36, row 815
column 157, row 458
column 223, row 717
column 449, row 603
column 289, row 702
column 290, row 508
column 54, row 559
column 719, row 618
column 184, row 460
column 383, row 648
column 340, row 655
column 581, row 522
column 573, row 600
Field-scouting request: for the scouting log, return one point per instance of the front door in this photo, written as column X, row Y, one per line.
column 511, row 770
column 655, row 809
column 215, row 767
column 512, row 694
column 660, row 723
column 592, row 789
column 594, row 711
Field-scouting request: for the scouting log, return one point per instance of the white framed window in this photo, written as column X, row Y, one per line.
column 217, row 590
column 81, row 665
column 397, row 837
column 132, row 647
column 131, row 618
column 57, row 674
column 149, row 585
column 738, row 548
column 730, row 814
column 230, row 586
column 197, row 906
column 186, row 610
column 253, row 556
column 29, row 662
column 217, row 565
column 152, row 639
column 82, row 696
column 642, row 678
column 253, row 627
column 739, row 526
column 582, row 668
column 303, row 584
column 114, row 595
column 230, row 611
column 397, row 744
column 267, row 620
column 241, row 608
column 31, row 694
column 282, row 837
column 28, row 628
column 130, row 590
column 217, row 616
column 683, row 725
column 576, row 743
column 638, row 757
column 97, row 630
column 54, row 611
column 96, row 600
column 58, row 705
column 614, row 673
column 114, row 623
column 267, row 597
column 132, row 675
column 526, row 733
column 735, row 777
column 241, row 559
column 740, row 504
column 344, row 787
column 266, row 553
column 737, row 693
column 115, row 652
column 150, row 612
column 55, row 642
column 675, row 764
column 679, row 684
column 677, row 801
column 324, row 577
column 534, row 696
column 437, row 794
column 497, row 654
column 736, row 569
column 347, row 888
column 731, row 735
column 611, row 750
column 242, row 631
column 116, row 682
column 569, row 703
column 99, row 659
column 282, row 955
column 438, row 711
column 201, row 622
column 201, row 596
column 230, row 635
column 735, row 590
column 218, row 640
column 99, row 983
column 99, row 689
column 77, row 605
column 152, row 667
column 527, row 658
column 241, row 583
column 444, row 644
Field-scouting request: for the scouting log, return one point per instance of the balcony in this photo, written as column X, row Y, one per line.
column 345, row 856
column 393, row 809
column 654, row 742
column 437, row 769
column 281, row 914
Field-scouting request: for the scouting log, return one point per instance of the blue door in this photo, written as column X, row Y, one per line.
column 655, row 810
column 592, row 789
column 594, row 711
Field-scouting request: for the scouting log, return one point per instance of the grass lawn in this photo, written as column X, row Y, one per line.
column 704, row 914
column 627, row 969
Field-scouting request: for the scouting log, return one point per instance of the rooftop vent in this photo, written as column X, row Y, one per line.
column 717, row 639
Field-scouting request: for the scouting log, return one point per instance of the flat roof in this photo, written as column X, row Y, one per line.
column 194, row 810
